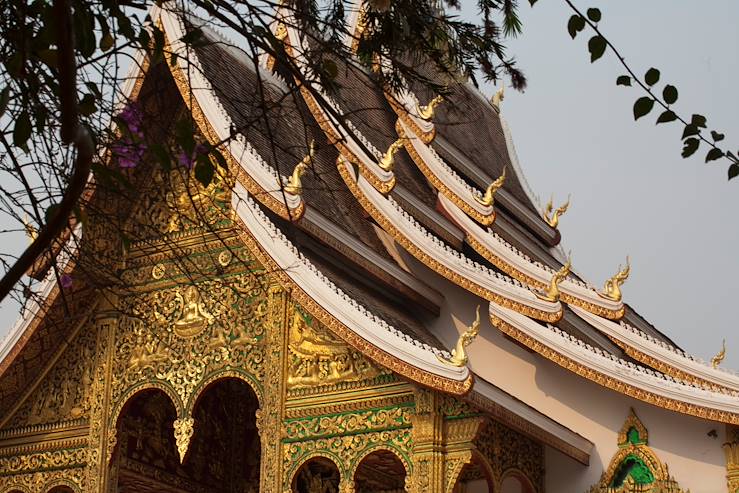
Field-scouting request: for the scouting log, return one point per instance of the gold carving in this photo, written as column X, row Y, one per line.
column 552, row 292
column 716, row 360
column 427, row 112
column 157, row 272
column 489, row 197
column 294, row 186
column 459, row 356
column 731, row 451
column 317, row 358
column 387, row 163
column 612, row 287
column 194, row 317
column 552, row 219
column 224, row 258
column 183, row 429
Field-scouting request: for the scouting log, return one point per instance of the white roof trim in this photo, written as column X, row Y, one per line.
column 342, row 307
column 624, row 371
column 659, row 350
column 520, row 261
column 486, row 279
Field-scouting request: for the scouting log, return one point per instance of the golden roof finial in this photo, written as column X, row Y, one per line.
column 459, row 355
column 612, row 287
column 498, row 97
column 489, row 197
column 716, row 360
column 387, row 163
column 427, row 112
column 552, row 292
column 294, row 186
column 553, row 219
column 31, row 231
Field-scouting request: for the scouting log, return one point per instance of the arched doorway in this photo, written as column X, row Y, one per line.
column 316, row 475
column 225, row 449
column 223, row 454
column 474, row 478
column 61, row 489
column 515, row 482
column 380, row 472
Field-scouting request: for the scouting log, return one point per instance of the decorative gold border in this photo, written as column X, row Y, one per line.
column 670, row 370
column 610, row 382
column 525, row 278
column 435, row 265
column 438, row 183
column 380, row 356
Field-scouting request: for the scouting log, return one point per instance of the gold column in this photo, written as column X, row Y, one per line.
column 102, row 433
column 731, row 450
column 428, row 444
column 459, row 447
column 270, row 414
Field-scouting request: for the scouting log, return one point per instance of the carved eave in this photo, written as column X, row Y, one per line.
column 262, row 181
column 405, row 106
column 444, row 179
column 613, row 373
column 363, row 153
column 519, row 266
column 663, row 357
column 343, row 315
column 447, row 262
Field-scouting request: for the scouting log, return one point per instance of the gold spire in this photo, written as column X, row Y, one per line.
column 387, row 163
column 552, row 292
column 553, row 219
column 612, row 287
column 498, row 97
column 294, row 186
column 459, row 356
column 716, row 360
column 489, row 197
column 427, row 112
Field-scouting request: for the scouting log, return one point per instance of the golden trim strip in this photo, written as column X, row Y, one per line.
column 439, row 184
column 610, row 382
column 381, row 357
column 435, row 265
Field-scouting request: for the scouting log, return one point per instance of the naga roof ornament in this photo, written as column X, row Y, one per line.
column 552, row 292
column 427, row 112
column 716, row 360
column 498, row 97
column 459, row 356
column 489, row 197
column 387, row 163
column 553, row 218
column 612, row 287
column 294, row 186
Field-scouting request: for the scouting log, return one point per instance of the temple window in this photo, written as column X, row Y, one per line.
column 380, row 472
column 317, row 475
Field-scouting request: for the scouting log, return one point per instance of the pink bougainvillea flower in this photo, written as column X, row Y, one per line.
column 188, row 161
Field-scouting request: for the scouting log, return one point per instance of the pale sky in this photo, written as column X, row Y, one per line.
column 632, row 193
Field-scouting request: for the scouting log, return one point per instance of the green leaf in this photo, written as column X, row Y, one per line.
column 642, row 107
column 691, row 145
column 698, row 121
column 670, row 94
column 106, row 42
column 49, row 56
column 575, row 25
column 594, row 15
column 667, row 116
column 714, row 154
column 596, row 46
column 4, row 99
column 50, row 211
column 714, row 135
column 532, row 2
column 87, row 105
column 652, row 76
column 22, row 129
column 733, row 171
column 689, row 130
column 204, row 171
column 330, row 69
column 623, row 80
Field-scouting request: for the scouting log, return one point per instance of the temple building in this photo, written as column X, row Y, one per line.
column 365, row 298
